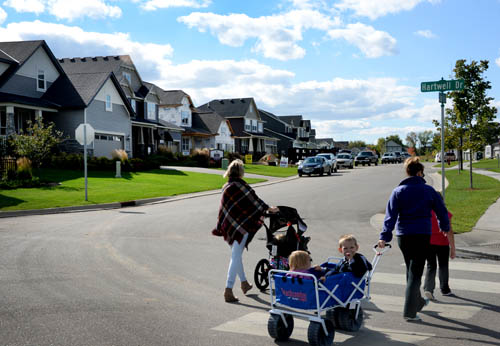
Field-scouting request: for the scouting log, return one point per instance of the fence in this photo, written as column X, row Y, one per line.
column 7, row 164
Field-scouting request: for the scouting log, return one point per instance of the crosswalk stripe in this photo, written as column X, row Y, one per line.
column 476, row 267
column 455, row 284
column 255, row 323
column 395, row 304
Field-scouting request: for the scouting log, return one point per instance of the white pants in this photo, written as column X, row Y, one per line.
column 236, row 263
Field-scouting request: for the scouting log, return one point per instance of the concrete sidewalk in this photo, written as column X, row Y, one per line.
column 484, row 239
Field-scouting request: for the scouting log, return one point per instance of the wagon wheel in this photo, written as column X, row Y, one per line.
column 276, row 328
column 316, row 334
column 260, row 277
column 345, row 319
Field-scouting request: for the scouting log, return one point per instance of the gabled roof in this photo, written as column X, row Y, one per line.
column 173, row 97
column 325, row 140
column 170, row 126
column 294, row 120
column 229, row 107
column 209, row 120
column 391, row 143
column 18, row 52
column 273, row 116
column 64, row 93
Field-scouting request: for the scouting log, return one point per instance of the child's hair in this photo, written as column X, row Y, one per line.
column 347, row 237
column 299, row 259
column 235, row 169
column 413, row 166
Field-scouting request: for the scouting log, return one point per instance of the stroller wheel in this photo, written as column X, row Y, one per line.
column 261, row 278
column 346, row 319
column 316, row 334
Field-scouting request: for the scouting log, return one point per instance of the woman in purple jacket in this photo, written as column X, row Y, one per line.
column 409, row 211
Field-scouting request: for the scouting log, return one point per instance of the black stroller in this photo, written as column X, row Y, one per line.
column 280, row 245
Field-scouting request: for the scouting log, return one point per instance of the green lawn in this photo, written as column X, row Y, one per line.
column 452, row 164
column 488, row 164
column 271, row 171
column 104, row 188
column 467, row 205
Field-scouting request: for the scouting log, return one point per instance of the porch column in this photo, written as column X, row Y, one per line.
column 38, row 114
column 11, row 127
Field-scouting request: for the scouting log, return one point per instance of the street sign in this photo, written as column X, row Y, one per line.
column 442, row 85
column 89, row 134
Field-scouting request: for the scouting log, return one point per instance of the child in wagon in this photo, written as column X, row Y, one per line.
column 353, row 261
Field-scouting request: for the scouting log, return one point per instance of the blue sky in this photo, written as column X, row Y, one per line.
column 353, row 67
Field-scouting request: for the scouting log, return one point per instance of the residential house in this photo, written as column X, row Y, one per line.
column 282, row 131
column 210, row 130
column 325, row 143
column 341, row 144
column 34, row 85
column 246, row 123
column 391, row 146
column 301, row 129
column 147, row 131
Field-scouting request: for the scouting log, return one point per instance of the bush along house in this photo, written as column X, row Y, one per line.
column 246, row 124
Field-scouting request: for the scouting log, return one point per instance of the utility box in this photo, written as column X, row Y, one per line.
column 224, row 163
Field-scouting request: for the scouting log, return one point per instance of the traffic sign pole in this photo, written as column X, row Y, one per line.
column 85, row 151
column 442, row 99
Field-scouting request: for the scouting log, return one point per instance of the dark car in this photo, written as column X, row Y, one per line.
column 366, row 158
column 314, row 165
column 399, row 157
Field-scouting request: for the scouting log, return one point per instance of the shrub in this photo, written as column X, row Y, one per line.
column 201, row 156
column 24, row 170
column 233, row 156
column 119, row 154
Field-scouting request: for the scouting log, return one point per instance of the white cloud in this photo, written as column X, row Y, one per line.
column 498, row 61
column 373, row 43
column 72, row 41
column 152, row 5
column 378, row 8
column 276, row 35
column 3, row 15
column 34, row 6
column 425, row 33
column 69, row 10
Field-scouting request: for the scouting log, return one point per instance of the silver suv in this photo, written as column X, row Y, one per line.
column 331, row 159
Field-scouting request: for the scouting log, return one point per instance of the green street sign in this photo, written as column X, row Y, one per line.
column 442, row 85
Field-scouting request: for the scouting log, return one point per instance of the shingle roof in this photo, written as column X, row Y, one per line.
column 63, row 92
column 97, row 64
column 20, row 50
column 172, row 97
column 291, row 119
column 170, row 126
column 88, row 84
column 211, row 120
column 29, row 101
column 229, row 107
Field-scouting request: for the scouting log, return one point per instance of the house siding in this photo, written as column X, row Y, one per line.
column 173, row 114
column 224, row 138
column 66, row 121
column 3, row 67
column 22, row 85
column 39, row 60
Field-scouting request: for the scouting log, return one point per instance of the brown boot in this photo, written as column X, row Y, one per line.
column 229, row 296
column 245, row 287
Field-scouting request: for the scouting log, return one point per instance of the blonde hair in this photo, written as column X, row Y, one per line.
column 413, row 166
column 299, row 260
column 236, row 169
column 347, row 237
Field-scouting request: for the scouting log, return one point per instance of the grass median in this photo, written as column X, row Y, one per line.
column 468, row 205
column 271, row 171
column 103, row 187
column 488, row 164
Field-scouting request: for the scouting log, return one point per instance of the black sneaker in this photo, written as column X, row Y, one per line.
column 446, row 292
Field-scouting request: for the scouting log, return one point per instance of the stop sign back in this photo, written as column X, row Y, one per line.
column 89, row 134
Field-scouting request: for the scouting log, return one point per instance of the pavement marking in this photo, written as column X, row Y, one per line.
column 395, row 304
column 476, row 267
column 255, row 323
column 455, row 284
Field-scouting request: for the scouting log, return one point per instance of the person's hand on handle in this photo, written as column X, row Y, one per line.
column 273, row 210
column 381, row 243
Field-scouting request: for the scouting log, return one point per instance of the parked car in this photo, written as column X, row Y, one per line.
column 315, row 165
column 399, row 157
column 331, row 159
column 388, row 157
column 345, row 160
column 405, row 155
column 366, row 158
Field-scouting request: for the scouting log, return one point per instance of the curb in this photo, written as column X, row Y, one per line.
column 126, row 204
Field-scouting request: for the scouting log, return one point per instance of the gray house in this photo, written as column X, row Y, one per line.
column 391, row 146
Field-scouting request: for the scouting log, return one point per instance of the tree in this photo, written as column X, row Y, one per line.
column 38, row 141
column 381, row 145
column 424, row 138
column 394, row 138
column 357, row 144
column 411, row 140
column 471, row 106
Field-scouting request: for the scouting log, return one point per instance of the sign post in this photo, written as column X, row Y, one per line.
column 441, row 86
column 84, row 134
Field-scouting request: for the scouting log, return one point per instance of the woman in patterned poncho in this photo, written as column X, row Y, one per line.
column 240, row 217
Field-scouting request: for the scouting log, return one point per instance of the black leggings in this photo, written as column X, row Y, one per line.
column 415, row 248
column 442, row 252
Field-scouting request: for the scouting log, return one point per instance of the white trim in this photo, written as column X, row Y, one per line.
column 110, row 100
column 38, row 70
column 106, row 132
column 18, row 105
column 144, row 125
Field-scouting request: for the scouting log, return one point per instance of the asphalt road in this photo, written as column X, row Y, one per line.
column 154, row 275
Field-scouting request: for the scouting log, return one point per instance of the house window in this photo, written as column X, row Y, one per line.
column 185, row 144
column 248, row 125
column 288, row 129
column 134, row 105
column 126, row 75
column 109, row 104
column 151, row 110
column 3, row 123
column 185, row 117
column 261, row 127
column 244, row 145
column 254, row 125
column 40, row 82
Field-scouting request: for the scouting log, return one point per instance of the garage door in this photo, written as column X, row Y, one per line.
column 104, row 144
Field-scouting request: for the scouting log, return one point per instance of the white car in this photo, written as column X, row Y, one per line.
column 331, row 159
column 345, row 160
